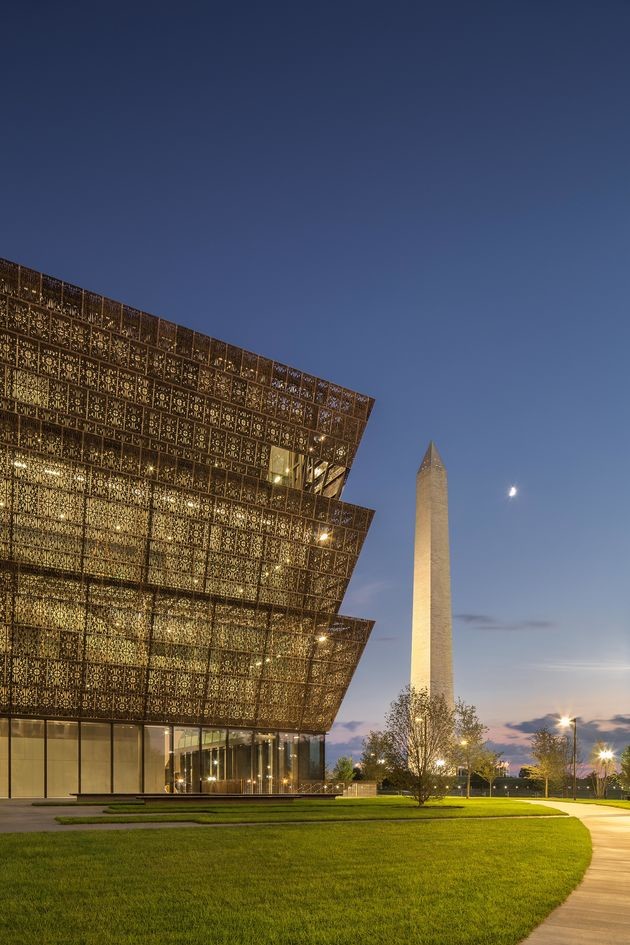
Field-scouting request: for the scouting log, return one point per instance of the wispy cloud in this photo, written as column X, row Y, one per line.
column 346, row 738
column 485, row 622
column 352, row 726
column 362, row 594
column 583, row 666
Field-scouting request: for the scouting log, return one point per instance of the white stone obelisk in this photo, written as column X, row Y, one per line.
column 432, row 630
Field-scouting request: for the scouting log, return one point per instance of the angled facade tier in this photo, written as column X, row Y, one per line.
column 173, row 555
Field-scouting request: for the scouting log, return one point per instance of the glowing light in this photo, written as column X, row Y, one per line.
column 322, row 638
column 512, row 492
column 565, row 721
column 606, row 754
column 440, row 763
column 277, row 479
column 324, row 536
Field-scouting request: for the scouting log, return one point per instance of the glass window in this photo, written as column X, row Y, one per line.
column 96, row 770
column 4, row 757
column 27, row 758
column 62, row 758
column 214, row 761
column 287, row 762
column 186, row 760
column 158, row 776
column 127, row 759
column 311, row 757
column 265, row 762
column 240, row 761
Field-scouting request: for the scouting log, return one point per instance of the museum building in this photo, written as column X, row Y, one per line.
column 173, row 554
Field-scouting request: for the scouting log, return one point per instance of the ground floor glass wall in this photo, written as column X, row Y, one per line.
column 55, row 758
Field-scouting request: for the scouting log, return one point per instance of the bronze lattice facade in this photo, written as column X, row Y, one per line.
column 174, row 549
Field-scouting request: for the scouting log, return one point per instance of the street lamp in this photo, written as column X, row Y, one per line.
column 606, row 756
column 564, row 722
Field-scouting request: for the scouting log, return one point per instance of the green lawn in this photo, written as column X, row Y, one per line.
column 610, row 803
column 452, row 882
column 378, row 808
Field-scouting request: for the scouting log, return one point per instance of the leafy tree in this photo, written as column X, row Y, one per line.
column 344, row 769
column 487, row 765
column 373, row 761
column 624, row 772
column 469, row 739
column 418, row 740
column 551, row 755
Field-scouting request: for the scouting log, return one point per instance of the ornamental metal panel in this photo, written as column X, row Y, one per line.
column 173, row 545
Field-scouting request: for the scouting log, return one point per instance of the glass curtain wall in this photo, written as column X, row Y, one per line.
column 158, row 768
column 287, row 763
column 62, row 758
column 4, row 757
column 264, row 762
column 127, row 759
column 27, row 758
column 311, row 757
column 240, row 760
column 214, row 774
column 96, row 758
column 186, row 760
column 57, row 758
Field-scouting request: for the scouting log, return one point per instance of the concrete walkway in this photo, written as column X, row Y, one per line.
column 17, row 816
column 598, row 911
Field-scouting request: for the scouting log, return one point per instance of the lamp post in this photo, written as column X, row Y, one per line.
column 565, row 721
column 606, row 757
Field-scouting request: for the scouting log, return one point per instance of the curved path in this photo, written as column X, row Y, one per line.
column 598, row 911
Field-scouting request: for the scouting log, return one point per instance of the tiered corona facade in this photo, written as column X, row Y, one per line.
column 173, row 552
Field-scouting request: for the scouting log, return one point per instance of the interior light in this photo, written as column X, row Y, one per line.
column 52, row 472
column 277, row 479
column 19, row 464
column 324, row 536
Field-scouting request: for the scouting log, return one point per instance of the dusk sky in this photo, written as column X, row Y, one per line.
column 428, row 203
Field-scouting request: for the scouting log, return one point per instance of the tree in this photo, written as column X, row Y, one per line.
column 604, row 764
column 373, row 761
column 344, row 769
column 551, row 755
column 624, row 773
column 469, row 736
column 487, row 764
column 418, row 742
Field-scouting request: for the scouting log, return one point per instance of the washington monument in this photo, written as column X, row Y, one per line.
column 432, row 630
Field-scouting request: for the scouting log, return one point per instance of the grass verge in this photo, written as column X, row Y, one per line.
column 456, row 882
column 625, row 805
column 396, row 808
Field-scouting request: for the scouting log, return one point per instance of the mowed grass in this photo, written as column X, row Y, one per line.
column 611, row 803
column 378, row 808
column 442, row 882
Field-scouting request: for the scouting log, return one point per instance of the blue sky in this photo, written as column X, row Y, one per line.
column 429, row 203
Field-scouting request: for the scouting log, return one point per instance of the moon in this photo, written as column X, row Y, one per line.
column 512, row 492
